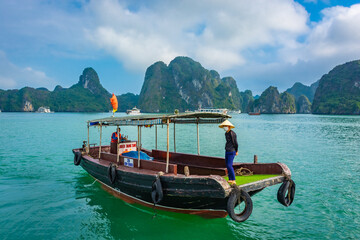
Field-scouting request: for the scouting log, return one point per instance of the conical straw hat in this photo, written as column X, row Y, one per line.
column 226, row 123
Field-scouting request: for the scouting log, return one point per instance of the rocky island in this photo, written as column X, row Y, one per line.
column 185, row 84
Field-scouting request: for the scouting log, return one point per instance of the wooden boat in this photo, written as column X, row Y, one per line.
column 254, row 113
column 178, row 182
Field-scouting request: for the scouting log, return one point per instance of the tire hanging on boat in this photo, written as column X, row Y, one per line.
column 156, row 191
column 286, row 193
column 236, row 197
column 112, row 173
column 77, row 158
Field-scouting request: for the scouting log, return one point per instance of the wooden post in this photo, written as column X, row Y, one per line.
column 88, row 142
column 139, row 142
column 156, row 137
column 198, row 139
column 100, row 140
column 174, row 139
column 117, row 145
column 167, row 147
column 255, row 159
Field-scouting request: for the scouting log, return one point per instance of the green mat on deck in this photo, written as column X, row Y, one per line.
column 240, row 180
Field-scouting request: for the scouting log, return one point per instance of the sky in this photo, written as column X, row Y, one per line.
column 260, row 43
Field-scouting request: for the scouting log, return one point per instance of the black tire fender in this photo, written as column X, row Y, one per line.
column 112, row 173
column 77, row 158
column 286, row 193
column 157, row 191
column 236, row 197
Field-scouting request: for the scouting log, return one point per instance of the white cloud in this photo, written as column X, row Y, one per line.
column 336, row 36
column 262, row 42
column 214, row 33
column 12, row 76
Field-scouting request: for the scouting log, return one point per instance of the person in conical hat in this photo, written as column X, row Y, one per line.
column 231, row 148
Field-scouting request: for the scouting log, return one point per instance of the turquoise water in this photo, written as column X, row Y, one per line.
column 43, row 195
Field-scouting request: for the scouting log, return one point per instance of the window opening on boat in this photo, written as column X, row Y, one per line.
column 198, row 140
column 100, row 140
column 88, row 139
column 167, row 146
column 174, row 138
column 156, row 137
column 117, row 144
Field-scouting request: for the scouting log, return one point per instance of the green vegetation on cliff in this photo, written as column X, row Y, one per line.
column 299, row 89
column 339, row 91
column 271, row 101
column 303, row 105
column 247, row 101
column 87, row 95
column 186, row 85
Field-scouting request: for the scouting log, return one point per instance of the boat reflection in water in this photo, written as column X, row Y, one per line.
column 178, row 182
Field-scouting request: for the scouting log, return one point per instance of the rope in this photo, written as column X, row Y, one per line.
column 89, row 185
column 243, row 172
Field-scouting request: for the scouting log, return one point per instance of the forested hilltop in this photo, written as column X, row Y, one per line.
column 339, row 91
column 185, row 84
column 88, row 95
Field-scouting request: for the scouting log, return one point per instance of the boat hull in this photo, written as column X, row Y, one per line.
column 204, row 195
column 200, row 196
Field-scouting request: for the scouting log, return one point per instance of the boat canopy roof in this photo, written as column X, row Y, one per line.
column 159, row 119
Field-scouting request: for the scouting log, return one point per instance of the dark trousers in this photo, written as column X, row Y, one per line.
column 229, row 159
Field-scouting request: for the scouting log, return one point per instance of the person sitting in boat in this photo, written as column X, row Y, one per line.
column 115, row 137
column 114, row 140
column 231, row 149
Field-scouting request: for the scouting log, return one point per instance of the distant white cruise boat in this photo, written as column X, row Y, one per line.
column 213, row 110
column 44, row 110
column 235, row 111
column 133, row 111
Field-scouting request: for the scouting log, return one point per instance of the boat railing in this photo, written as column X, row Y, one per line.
column 264, row 168
column 197, row 164
column 144, row 164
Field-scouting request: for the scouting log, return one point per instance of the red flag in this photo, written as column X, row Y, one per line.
column 114, row 102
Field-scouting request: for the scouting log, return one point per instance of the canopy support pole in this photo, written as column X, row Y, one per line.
column 174, row 139
column 139, row 144
column 88, row 142
column 117, row 144
column 156, row 137
column 198, row 139
column 100, row 140
column 167, row 147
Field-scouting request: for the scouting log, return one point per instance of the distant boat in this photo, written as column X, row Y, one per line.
column 254, row 113
column 210, row 110
column 44, row 110
column 235, row 111
column 133, row 111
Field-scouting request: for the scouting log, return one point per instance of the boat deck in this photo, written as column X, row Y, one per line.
column 264, row 174
column 241, row 180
